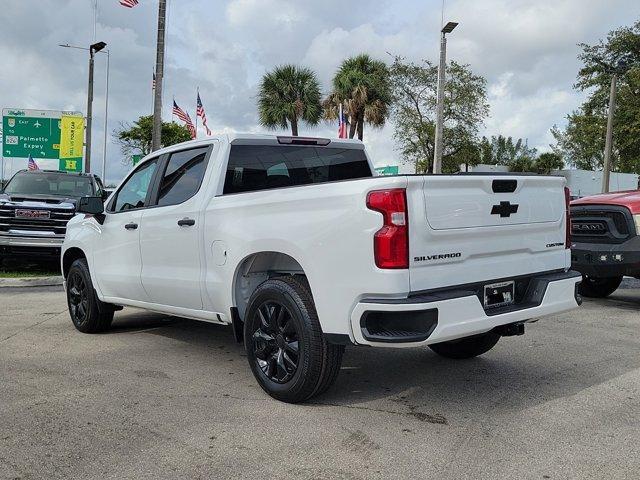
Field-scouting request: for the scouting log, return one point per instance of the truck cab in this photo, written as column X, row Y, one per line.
column 605, row 233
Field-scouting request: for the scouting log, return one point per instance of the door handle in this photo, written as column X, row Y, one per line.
column 131, row 226
column 186, row 222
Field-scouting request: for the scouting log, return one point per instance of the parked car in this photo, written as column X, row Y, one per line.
column 605, row 233
column 35, row 207
column 296, row 244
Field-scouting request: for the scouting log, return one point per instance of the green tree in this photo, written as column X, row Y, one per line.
column 500, row 150
column 517, row 155
column 414, row 111
column 548, row 162
column 287, row 95
column 362, row 86
column 136, row 138
column 582, row 141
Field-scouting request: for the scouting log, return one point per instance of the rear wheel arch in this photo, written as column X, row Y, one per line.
column 257, row 268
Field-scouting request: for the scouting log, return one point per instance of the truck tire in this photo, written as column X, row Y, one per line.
column 467, row 347
column 599, row 287
column 87, row 312
column 285, row 347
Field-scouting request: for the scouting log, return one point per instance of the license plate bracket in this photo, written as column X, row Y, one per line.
column 499, row 294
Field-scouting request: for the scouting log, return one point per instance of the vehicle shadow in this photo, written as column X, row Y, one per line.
column 553, row 361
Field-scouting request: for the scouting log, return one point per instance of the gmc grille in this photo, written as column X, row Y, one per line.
column 601, row 224
column 55, row 225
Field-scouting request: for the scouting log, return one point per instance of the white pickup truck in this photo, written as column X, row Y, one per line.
column 303, row 250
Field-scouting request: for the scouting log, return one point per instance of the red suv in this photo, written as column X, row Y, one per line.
column 605, row 240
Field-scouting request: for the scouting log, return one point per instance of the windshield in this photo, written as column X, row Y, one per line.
column 58, row 184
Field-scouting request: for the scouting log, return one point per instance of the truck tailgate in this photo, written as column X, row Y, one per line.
column 472, row 228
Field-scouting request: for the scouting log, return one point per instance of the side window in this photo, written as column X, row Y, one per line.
column 133, row 193
column 183, row 176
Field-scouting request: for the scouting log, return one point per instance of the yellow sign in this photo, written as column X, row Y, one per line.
column 71, row 137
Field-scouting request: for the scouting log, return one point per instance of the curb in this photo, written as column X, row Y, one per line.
column 31, row 282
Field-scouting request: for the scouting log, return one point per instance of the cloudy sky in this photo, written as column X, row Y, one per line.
column 526, row 49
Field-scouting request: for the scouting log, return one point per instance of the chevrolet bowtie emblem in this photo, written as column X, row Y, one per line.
column 505, row 209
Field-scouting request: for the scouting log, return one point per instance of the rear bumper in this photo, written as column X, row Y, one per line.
column 456, row 313
column 607, row 260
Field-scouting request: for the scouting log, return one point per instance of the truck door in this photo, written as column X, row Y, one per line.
column 170, row 240
column 117, row 256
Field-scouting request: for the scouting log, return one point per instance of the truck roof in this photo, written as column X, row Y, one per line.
column 628, row 198
column 40, row 171
column 263, row 139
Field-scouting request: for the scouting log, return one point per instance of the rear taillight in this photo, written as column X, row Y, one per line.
column 391, row 242
column 567, row 202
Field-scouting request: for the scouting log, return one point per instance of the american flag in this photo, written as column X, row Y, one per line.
column 32, row 165
column 184, row 116
column 129, row 3
column 191, row 127
column 342, row 123
column 200, row 113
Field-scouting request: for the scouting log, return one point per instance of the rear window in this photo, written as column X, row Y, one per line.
column 261, row 167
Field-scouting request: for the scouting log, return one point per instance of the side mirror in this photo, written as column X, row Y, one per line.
column 91, row 205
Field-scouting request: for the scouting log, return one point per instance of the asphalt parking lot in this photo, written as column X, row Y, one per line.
column 163, row 397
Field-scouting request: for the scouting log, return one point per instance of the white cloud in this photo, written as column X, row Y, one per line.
column 525, row 48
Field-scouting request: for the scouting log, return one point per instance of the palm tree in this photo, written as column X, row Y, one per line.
column 287, row 95
column 363, row 87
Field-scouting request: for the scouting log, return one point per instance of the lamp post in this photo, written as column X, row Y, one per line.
column 438, row 141
column 93, row 49
column 106, row 101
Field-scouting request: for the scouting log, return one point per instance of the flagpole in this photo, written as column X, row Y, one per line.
column 197, row 95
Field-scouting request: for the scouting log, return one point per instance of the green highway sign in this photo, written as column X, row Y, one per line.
column 388, row 170
column 36, row 133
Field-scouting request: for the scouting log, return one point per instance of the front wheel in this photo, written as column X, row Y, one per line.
column 467, row 347
column 285, row 347
column 599, row 287
column 88, row 313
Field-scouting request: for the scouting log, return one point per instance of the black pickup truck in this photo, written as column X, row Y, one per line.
column 35, row 207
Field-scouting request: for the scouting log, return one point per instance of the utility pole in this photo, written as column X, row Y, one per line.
column 438, row 141
column 608, row 145
column 156, row 140
column 106, row 118
column 93, row 49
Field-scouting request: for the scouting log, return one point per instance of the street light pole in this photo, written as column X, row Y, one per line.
column 608, row 144
column 438, row 140
column 87, row 154
column 93, row 49
column 156, row 140
column 106, row 98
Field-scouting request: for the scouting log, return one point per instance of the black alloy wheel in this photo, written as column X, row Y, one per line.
column 87, row 312
column 286, row 350
column 276, row 342
column 78, row 298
